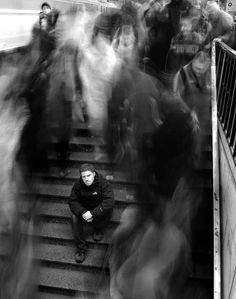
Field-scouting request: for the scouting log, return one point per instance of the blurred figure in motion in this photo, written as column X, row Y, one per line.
column 222, row 24
column 63, row 91
column 155, row 237
column 192, row 83
column 48, row 18
column 91, row 202
column 184, row 45
column 33, row 150
column 158, row 37
column 99, row 68
column 17, row 269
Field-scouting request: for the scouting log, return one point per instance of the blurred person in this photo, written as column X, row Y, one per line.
column 184, row 45
column 91, row 202
column 100, row 65
column 48, row 18
column 222, row 24
column 155, row 237
column 64, row 89
column 177, row 8
column 17, row 270
column 193, row 84
column 158, row 37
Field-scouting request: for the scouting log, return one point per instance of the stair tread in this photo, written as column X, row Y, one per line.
column 117, row 177
column 62, row 210
column 74, row 174
column 63, row 231
column 69, row 280
column 89, row 157
column 81, row 140
column 65, row 254
column 55, row 253
column 47, row 189
column 48, row 295
column 92, row 140
column 43, row 295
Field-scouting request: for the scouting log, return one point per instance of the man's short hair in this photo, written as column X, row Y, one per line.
column 86, row 167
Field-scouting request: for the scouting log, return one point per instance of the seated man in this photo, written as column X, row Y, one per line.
column 91, row 202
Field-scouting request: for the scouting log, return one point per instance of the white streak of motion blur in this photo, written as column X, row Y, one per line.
column 16, row 27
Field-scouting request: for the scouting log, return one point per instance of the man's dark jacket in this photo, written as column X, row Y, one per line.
column 97, row 198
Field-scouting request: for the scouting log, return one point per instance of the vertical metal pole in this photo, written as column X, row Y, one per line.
column 216, row 189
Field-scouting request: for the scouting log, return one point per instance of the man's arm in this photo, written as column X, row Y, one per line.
column 75, row 206
column 108, row 200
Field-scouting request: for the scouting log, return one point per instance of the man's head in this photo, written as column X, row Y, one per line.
column 186, row 26
column 201, row 63
column 213, row 10
column 87, row 173
column 46, row 8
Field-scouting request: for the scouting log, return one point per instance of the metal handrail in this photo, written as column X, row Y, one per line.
column 216, row 182
column 226, row 92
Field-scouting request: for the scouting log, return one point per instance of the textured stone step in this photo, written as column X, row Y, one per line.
column 97, row 258
column 81, row 157
column 124, row 194
column 88, row 143
column 64, row 255
column 115, row 177
column 71, row 281
column 74, row 174
column 63, row 232
column 48, row 295
column 62, row 210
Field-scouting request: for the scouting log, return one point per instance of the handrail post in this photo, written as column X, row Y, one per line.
column 216, row 186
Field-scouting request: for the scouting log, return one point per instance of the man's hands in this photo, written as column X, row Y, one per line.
column 87, row 216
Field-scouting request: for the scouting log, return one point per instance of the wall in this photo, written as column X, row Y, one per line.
column 228, row 208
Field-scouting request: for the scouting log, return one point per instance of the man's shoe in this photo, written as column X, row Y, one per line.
column 98, row 236
column 79, row 257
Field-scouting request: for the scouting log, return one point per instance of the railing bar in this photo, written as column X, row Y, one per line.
column 225, row 98
column 231, row 137
column 220, row 55
column 232, row 106
column 219, row 85
column 216, row 189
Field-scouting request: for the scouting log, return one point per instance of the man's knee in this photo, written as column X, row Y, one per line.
column 75, row 219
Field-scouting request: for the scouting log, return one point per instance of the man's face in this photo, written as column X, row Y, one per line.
column 88, row 177
column 212, row 10
column 186, row 27
column 46, row 9
column 201, row 66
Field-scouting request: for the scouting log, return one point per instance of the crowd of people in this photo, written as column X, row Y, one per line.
column 141, row 75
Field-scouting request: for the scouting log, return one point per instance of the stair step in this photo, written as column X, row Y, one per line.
column 117, row 177
column 89, row 142
column 63, row 232
column 64, row 254
column 62, row 210
column 71, row 281
column 81, row 157
column 44, row 189
column 48, row 295
column 74, row 174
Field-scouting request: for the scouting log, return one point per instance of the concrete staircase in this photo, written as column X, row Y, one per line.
column 59, row 276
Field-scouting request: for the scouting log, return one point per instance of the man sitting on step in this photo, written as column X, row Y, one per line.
column 91, row 203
